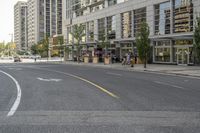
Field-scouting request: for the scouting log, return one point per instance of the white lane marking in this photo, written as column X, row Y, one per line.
column 175, row 86
column 49, row 80
column 19, row 94
column 114, row 74
column 18, row 69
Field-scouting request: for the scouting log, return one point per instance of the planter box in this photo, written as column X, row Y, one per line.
column 86, row 59
column 107, row 60
column 95, row 60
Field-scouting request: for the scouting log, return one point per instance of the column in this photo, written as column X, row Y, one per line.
column 96, row 30
column 171, row 51
column 171, row 17
column 118, row 26
column 132, row 23
column 153, row 51
column 106, row 3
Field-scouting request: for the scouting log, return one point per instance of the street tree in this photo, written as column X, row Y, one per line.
column 104, row 43
column 78, row 32
column 143, row 42
column 42, row 46
column 61, row 43
column 34, row 49
column 197, row 40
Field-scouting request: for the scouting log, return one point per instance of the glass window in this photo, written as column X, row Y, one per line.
column 139, row 16
column 162, row 54
column 90, row 31
column 112, row 2
column 183, row 16
column 111, row 27
column 183, row 42
column 162, row 18
column 84, row 37
column 69, row 35
column 126, row 25
column 101, row 29
column 163, row 43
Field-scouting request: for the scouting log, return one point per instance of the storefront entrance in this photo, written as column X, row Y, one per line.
column 182, row 56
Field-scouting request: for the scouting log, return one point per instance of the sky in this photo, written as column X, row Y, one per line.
column 7, row 19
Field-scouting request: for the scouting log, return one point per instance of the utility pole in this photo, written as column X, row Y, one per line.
column 49, row 47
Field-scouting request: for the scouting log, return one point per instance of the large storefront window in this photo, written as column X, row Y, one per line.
column 183, row 16
column 90, row 27
column 101, row 29
column 139, row 16
column 162, row 18
column 84, row 37
column 126, row 25
column 111, row 27
column 162, row 51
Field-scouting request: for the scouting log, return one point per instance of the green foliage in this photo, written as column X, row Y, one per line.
column 197, row 39
column 34, row 49
column 41, row 47
column 8, row 49
column 78, row 32
column 143, row 42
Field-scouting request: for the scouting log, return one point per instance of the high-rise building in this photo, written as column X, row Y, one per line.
column 20, row 25
column 44, row 18
column 171, row 24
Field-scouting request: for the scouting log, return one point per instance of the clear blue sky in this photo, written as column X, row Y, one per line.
column 7, row 19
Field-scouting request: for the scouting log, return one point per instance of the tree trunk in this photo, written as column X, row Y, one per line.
column 78, row 53
column 145, row 63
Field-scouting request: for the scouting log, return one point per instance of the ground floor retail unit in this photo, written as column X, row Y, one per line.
column 164, row 50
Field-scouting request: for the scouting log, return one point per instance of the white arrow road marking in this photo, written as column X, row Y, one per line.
column 15, row 69
column 19, row 94
column 114, row 74
column 49, row 80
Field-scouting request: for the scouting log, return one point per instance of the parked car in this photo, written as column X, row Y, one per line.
column 17, row 59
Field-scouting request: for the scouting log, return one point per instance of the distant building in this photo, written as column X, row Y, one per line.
column 20, row 25
column 35, row 19
column 44, row 18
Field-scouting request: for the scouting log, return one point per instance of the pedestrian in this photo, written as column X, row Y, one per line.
column 135, row 59
column 132, row 61
column 124, row 60
column 128, row 59
column 35, row 59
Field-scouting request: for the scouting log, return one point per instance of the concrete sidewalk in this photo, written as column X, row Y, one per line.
column 157, row 68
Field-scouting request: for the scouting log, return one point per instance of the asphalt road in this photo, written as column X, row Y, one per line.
column 55, row 98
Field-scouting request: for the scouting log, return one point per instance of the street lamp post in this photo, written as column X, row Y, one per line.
column 11, row 34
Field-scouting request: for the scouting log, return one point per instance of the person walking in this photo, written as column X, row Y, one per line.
column 128, row 59
column 124, row 60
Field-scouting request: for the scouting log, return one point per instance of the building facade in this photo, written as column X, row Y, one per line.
column 44, row 18
column 20, row 25
column 171, row 25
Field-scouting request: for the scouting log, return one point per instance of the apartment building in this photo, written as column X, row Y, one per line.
column 44, row 18
column 171, row 25
column 20, row 25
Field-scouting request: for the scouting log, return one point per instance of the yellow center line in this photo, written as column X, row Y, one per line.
column 87, row 81
column 99, row 87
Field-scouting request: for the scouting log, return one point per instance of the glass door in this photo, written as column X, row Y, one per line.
column 182, row 56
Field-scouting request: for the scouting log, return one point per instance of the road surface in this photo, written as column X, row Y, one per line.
column 55, row 98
